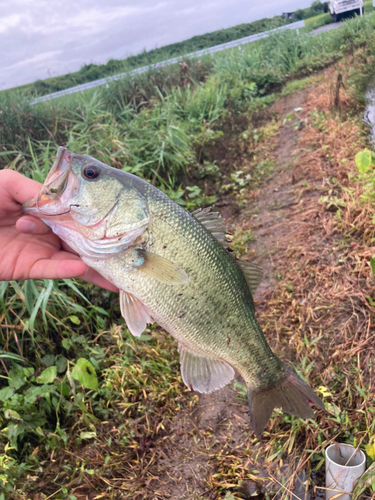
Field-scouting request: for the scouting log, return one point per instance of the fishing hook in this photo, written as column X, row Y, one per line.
column 53, row 215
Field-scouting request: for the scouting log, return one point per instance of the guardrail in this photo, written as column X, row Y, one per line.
column 143, row 69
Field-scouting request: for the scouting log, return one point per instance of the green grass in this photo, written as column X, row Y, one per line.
column 317, row 21
column 295, row 85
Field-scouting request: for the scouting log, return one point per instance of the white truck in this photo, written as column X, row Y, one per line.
column 343, row 8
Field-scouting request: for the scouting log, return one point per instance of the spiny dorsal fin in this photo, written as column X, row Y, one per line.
column 203, row 374
column 162, row 269
column 253, row 274
column 213, row 222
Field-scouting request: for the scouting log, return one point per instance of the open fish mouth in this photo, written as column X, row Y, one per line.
column 51, row 200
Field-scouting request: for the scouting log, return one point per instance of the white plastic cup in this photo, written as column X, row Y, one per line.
column 344, row 466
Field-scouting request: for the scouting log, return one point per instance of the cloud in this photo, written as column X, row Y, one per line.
column 9, row 22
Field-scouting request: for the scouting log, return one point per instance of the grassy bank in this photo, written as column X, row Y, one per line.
column 192, row 130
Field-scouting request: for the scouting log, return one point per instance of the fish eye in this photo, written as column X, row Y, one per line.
column 90, row 172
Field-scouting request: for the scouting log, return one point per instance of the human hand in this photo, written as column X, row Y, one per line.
column 28, row 248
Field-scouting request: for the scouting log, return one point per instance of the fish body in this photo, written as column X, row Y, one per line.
column 171, row 269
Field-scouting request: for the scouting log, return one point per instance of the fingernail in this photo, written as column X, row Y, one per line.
column 26, row 226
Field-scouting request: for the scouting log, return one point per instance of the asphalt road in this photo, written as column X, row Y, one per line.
column 327, row 27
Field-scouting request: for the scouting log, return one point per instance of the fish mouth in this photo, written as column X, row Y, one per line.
column 49, row 201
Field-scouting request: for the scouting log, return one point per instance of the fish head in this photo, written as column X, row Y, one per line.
column 84, row 199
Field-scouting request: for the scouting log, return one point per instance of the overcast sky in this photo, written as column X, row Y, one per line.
column 42, row 38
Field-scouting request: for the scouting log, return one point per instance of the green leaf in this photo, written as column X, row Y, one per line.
column 101, row 310
column 6, row 393
column 9, row 355
column 44, row 295
column 61, row 363
column 372, row 264
column 12, row 415
column 324, row 391
column 30, row 292
column 49, row 359
column 74, row 319
column 16, row 378
column 84, row 372
column 48, row 375
column 363, row 160
column 370, row 450
column 88, row 435
column 364, row 481
column 67, row 344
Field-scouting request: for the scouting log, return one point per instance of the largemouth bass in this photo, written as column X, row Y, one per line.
column 172, row 268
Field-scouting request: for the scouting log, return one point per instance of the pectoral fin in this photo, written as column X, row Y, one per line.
column 162, row 269
column 134, row 313
column 204, row 374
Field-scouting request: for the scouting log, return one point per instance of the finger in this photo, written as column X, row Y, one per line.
column 52, row 269
column 32, row 225
column 87, row 274
column 93, row 277
column 19, row 187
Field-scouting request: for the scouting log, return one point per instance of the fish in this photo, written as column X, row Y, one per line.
column 172, row 267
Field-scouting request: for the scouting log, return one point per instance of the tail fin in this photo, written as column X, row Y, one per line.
column 292, row 394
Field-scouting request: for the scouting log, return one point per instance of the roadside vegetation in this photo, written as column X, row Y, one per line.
column 86, row 410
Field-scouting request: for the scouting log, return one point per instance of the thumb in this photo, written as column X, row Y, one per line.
column 32, row 225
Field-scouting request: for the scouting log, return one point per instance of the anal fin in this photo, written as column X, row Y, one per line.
column 134, row 313
column 204, row 374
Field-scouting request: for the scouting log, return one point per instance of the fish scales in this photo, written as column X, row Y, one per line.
column 215, row 281
column 172, row 270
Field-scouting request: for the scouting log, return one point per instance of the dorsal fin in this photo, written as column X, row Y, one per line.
column 253, row 274
column 213, row 222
